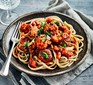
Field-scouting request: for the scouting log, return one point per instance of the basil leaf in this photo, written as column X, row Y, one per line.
column 45, row 55
column 40, row 31
column 26, row 44
column 43, row 23
column 64, row 45
column 48, row 33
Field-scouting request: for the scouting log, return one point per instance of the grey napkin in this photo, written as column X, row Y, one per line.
column 63, row 7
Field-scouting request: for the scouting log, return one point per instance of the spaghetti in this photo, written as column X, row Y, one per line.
column 47, row 43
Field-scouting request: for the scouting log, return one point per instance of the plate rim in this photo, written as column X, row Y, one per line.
column 41, row 74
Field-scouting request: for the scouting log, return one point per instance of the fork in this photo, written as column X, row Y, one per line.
column 15, row 37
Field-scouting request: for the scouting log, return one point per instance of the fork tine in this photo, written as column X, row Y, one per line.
column 16, row 32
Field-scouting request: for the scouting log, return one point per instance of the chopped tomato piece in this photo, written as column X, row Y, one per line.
column 52, row 27
column 55, row 48
column 23, row 25
column 47, row 63
column 58, row 55
column 22, row 34
column 33, row 31
column 46, row 27
column 55, row 39
column 48, row 19
column 64, row 51
column 40, row 44
column 32, row 62
column 69, row 54
column 63, row 28
column 25, row 28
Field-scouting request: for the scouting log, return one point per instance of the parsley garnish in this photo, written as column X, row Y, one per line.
column 57, row 23
column 64, row 45
column 26, row 44
column 43, row 40
column 40, row 31
column 26, row 57
column 45, row 55
column 48, row 33
column 43, row 23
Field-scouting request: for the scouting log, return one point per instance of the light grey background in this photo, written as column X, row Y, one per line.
column 26, row 6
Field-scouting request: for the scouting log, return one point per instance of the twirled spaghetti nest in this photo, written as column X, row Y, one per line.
column 47, row 43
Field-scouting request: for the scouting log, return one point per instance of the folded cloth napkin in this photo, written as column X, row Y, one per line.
column 61, row 6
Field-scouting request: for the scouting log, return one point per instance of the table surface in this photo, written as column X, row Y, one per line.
column 26, row 6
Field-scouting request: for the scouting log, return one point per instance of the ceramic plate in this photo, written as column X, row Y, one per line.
column 6, row 43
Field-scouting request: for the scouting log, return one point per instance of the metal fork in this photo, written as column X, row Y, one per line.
column 15, row 37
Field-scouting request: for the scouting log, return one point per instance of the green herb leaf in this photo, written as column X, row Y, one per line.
column 26, row 44
column 57, row 23
column 40, row 31
column 28, row 57
column 45, row 55
column 48, row 37
column 43, row 23
column 48, row 33
column 45, row 36
column 43, row 40
column 64, row 45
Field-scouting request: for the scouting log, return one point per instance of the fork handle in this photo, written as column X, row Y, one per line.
column 5, row 69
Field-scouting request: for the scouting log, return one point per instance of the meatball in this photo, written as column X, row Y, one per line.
column 49, row 54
